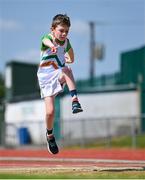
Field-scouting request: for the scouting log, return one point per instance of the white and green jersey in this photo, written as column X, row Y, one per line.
column 59, row 56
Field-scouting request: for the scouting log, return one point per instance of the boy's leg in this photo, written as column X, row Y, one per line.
column 50, row 110
column 69, row 79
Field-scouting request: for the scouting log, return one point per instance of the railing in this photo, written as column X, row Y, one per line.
column 74, row 132
column 87, row 131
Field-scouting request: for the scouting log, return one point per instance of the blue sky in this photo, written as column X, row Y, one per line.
column 120, row 26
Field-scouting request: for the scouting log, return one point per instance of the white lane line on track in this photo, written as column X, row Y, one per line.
column 67, row 168
column 71, row 160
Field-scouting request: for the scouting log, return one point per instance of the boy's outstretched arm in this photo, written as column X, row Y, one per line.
column 69, row 56
column 49, row 44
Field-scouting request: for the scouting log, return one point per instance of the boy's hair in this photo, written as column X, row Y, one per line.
column 61, row 19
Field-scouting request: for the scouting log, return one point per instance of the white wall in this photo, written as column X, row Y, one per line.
column 103, row 105
column 114, row 104
column 30, row 114
column 25, row 111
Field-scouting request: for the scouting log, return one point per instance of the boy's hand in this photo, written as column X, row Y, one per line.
column 54, row 49
column 67, row 59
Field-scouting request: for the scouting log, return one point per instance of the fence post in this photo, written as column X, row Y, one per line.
column 108, row 130
column 3, row 133
column 83, row 132
column 133, row 132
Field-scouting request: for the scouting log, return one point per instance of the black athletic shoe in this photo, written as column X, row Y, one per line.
column 76, row 107
column 51, row 144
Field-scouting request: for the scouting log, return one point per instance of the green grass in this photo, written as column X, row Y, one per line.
column 126, row 141
column 77, row 175
column 115, row 142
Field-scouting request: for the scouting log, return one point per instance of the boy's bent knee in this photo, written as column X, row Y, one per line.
column 67, row 70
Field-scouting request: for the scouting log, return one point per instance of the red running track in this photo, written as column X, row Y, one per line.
column 120, row 154
column 71, row 154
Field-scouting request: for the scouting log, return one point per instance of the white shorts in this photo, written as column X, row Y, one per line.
column 48, row 79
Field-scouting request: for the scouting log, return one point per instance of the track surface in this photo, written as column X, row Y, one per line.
column 80, row 158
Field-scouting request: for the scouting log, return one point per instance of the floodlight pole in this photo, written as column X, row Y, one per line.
column 92, row 46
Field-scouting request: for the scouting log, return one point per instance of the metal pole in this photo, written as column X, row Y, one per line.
column 92, row 46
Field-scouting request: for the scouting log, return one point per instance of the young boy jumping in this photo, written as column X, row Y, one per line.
column 52, row 73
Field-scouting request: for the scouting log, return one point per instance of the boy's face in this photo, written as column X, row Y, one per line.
column 60, row 32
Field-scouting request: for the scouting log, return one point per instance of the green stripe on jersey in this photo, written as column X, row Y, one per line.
column 56, row 57
column 68, row 46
